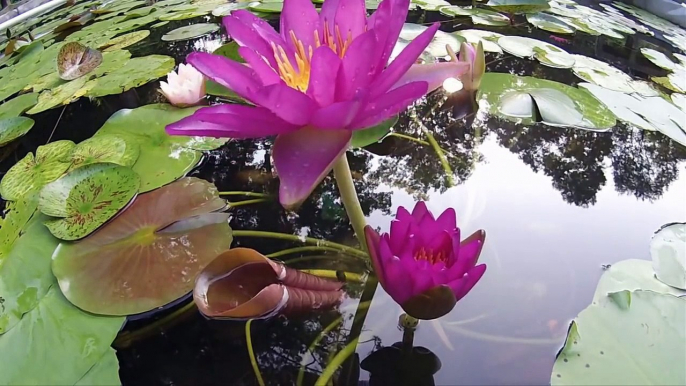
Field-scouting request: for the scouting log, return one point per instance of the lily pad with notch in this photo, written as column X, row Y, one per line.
column 149, row 255
column 104, row 148
column 190, row 32
column 668, row 251
column 75, row 60
column 86, row 198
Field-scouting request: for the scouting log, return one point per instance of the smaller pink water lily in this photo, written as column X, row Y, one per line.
column 422, row 264
column 474, row 56
column 185, row 88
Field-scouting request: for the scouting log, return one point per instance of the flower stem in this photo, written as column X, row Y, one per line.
column 441, row 156
column 307, row 240
column 246, row 202
column 242, row 193
column 410, row 138
column 336, row 362
column 346, row 187
column 301, row 249
column 251, row 353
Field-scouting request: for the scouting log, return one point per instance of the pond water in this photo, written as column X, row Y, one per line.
column 558, row 205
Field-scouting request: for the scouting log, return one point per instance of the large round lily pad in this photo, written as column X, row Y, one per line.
column 76, row 60
column 520, row 93
column 32, row 173
column 668, row 251
column 150, row 254
column 13, row 128
column 86, row 198
column 631, row 274
column 104, row 148
column 190, row 32
column 626, row 338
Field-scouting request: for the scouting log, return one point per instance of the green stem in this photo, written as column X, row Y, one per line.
column 246, row 202
column 301, row 249
column 251, row 353
column 336, row 362
column 247, row 194
column 410, row 138
column 307, row 240
column 346, row 187
column 440, row 154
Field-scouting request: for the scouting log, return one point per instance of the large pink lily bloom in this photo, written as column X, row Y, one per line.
column 422, row 264
column 322, row 77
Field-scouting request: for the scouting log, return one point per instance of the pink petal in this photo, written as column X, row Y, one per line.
column 230, row 74
column 231, row 121
column 420, row 210
column 402, row 62
column 441, row 242
column 447, row 220
column 246, row 34
column 287, row 103
column 351, row 18
column 434, row 73
column 387, row 21
column 355, row 72
column 264, row 71
column 300, row 18
column 389, row 104
column 399, row 230
column 468, row 281
column 421, row 279
column 373, row 243
column 403, row 215
column 335, row 116
column 328, row 15
column 395, row 275
column 303, row 158
column 259, row 25
column 323, row 71
column 467, row 254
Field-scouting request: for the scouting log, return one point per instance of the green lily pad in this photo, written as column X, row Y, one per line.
column 13, row 128
column 105, row 372
column 430, row 5
column 436, row 47
column 230, row 50
column 668, row 251
column 76, row 60
column 160, row 24
column 31, row 173
column 267, row 6
column 226, row 9
column 190, row 32
column 487, row 38
column 602, row 74
column 18, row 105
column 163, row 158
column 546, row 53
column 659, row 59
column 181, row 16
column 549, row 23
column 66, row 341
column 125, row 40
column 63, row 94
column 521, row 99
column 136, row 72
column 456, row 10
column 365, row 137
column 675, row 81
column 518, row 6
column 86, row 198
column 206, row 143
column 166, row 237
column 626, row 338
column 580, row 25
column 104, row 148
column 491, row 18
column 631, row 275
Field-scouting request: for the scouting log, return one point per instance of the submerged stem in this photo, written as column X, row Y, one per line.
column 247, row 202
column 307, row 240
column 336, row 362
column 243, row 193
column 301, row 249
column 251, row 353
column 410, row 138
column 346, row 187
column 440, row 154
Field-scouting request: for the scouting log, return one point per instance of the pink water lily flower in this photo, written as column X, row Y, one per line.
column 422, row 264
column 185, row 88
column 474, row 56
column 322, row 77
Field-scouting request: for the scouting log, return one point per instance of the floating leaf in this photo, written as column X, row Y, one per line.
column 631, row 275
column 32, row 173
column 491, row 18
column 86, row 198
column 206, row 143
column 181, row 16
column 66, row 341
column 104, row 372
column 160, row 24
column 362, row 138
column 125, row 40
column 668, row 251
column 190, row 32
column 76, row 60
column 549, row 23
column 104, row 148
column 644, row 328
column 241, row 283
column 163, row 158
column 230, row 50
column 518, row 6
column 13, row 128
column 437, row 45
column 547, row 54
column 136, row 72
column 602, row 74
column 163, row 240
column 679, row 101
column 226, row 9
column 659, row 59
column 675, row 81
column 18, row 105
column 487, row 38
column 517, row 94
column 60, row 95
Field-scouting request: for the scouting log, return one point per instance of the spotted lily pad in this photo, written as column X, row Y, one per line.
column 644, row 328
column 31, row 173
column 668, row 251
column 163, row 240
column 76, row 60
column 527, row 100
column 518, row 6
column 61, row 95
column 163, row 158
column 13, row 128
column 190, row 32
column 104, row 148
column 86, row 198
column 125, row 40
column 549, row 23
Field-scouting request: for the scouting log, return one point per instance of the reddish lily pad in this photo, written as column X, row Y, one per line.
column 76, row 60
column 150, row 254
column 86, row 198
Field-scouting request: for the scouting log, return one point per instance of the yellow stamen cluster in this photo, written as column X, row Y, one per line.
column 298, row 76
column 430, row 256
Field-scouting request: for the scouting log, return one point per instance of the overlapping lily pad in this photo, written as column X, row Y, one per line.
column 150, row 254
column 659, row 59
column 86, row 198
column 518, row 6
column 668, row 251
column 528, row 100
column 163, row 158
column 631, row 275
column 601, row 74
column 18, row 105
column 190, row 32
column 436, row 47
column 125, row 40
column 104, row 148
column 545, row 53
column 487, row 38
column 31, row 173
column 549, row 23
column 13, row 128
column 136, row 72
column 76, row 60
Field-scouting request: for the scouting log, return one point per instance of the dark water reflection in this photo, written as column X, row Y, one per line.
column 556, row 204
